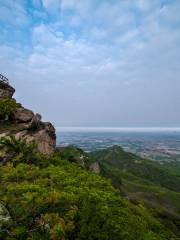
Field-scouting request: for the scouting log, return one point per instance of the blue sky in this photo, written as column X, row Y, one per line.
column 103, row 63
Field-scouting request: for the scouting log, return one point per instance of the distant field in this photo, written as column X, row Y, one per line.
column 162, row 144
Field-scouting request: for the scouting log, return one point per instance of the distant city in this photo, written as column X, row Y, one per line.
column 162, row 144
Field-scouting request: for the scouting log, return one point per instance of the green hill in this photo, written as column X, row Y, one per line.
column 143, row 180
column 47, row 197
column 142, row 168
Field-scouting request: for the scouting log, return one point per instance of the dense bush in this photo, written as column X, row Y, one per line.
column 23, row 152
column 7, row 107
column 60, row 200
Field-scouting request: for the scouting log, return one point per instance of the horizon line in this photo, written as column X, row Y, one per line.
column 119, row 129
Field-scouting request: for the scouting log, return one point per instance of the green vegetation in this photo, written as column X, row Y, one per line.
column 76, row 155
column 143, row 180
column 142, row 168
column 21, row 150
column 7, row 107
column 52, row 198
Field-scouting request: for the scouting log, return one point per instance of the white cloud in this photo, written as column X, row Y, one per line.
column 128, row 36
column 144, row 4
column 68, row 4
column 94, row 51
column 52, row 6
column 98, row 33
column 171, row 12
column 13, row 13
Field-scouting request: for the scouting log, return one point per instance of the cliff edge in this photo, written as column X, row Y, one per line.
column 24, row 123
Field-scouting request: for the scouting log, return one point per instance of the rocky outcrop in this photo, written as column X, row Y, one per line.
column 6, row 91
column 23, row 115
column 4, row 214
column 27, row 125
column 44, row 136
column 94, row 167
column 35, row 121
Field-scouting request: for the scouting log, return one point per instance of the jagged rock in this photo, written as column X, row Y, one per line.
column 4, row 214
column 35, row 122
column 94, row 167
column 23, row 115
column 21, row 134
column 45, row 138
column 82, row 160
column 6, row 91
column 27, row 125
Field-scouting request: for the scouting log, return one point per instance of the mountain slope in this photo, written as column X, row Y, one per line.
column 142, row 180
column 51, row 198
column 142, row 168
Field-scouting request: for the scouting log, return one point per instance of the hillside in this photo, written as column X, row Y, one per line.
column 51, row 198
column 143, row 180
column 143, row 168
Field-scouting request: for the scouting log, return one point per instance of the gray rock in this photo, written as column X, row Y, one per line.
column 35, row 122
column 23, row 115
column 27, row 125
column 6, row 91
column 4, row 214
column 94, row 167
column 44, row 137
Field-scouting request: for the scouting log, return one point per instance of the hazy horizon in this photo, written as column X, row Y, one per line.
column 118, row 129
column 94, row 63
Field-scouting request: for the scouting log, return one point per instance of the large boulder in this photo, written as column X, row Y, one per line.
column 94, row 167
column 23, row 115
column 44, row 137
column 24, row 124
column 6, row 91
column 35, row 122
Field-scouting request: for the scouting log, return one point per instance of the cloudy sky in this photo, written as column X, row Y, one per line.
column 94, row 63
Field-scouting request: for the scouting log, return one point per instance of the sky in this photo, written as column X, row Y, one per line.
column 99, row 63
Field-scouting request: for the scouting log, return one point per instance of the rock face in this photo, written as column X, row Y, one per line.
column 28, row 125
column 6, row 91
column 23, row 115
column 35, row 121
column 44, row 136
column 4, row 214
column 94, row 167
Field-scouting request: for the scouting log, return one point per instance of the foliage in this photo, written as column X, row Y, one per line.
column 139, row 167
column 60, row 200
column 22, row 150
column 143, row 180
column 7, row 107
column 76, row 155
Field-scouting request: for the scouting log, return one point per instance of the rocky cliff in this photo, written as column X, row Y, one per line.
column 24, row 123
column 6, row 91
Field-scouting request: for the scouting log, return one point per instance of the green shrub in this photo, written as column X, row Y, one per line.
column 60, row 200
column 23, row 152
column 7, row 107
